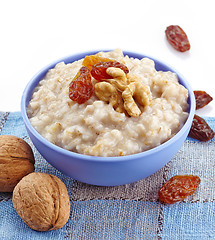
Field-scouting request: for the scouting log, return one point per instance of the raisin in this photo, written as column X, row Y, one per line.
column 90, row 60
column 202, row 98
column 200, row 130
column 178, row 188
column 81, row 88
column 99, row 70
column 177, row 38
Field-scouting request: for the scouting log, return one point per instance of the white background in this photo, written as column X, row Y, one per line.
column 35, row 33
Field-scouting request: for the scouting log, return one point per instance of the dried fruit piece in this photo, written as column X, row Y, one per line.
column 200, row 130
column 99, row 70
column 178, row 188
column 81, row 88
column 202, row 99
column 89, row 61
column 177, row 38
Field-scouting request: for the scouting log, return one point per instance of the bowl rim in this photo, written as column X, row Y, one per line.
column 40, row 74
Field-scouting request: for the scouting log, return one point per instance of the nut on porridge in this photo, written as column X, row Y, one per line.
column 108, row 104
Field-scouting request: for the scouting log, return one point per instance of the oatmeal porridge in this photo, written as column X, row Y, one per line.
column 134, row 109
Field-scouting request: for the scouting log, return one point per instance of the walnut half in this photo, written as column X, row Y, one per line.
column 124, row 92
column 42, row 201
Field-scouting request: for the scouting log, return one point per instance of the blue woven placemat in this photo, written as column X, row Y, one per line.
column 131, row 211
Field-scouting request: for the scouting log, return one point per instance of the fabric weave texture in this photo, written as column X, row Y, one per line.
column 131, row 211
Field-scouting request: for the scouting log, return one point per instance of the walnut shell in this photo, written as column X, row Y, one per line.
column 42, row 201
column 16, row 161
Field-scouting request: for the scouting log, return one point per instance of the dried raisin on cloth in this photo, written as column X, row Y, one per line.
column 200, row 130
column 177, row 38
column 178, row 188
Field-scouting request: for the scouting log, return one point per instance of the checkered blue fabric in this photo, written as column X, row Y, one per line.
column 131, row 211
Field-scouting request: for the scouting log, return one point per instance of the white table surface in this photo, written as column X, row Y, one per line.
column 35, row 33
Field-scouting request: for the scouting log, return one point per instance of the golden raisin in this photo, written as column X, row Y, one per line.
column 177, row 38
column 98, row 70
column 202, row 99
column 200, row 130
column 178, row 188
column 90, row 60
column 81, row 88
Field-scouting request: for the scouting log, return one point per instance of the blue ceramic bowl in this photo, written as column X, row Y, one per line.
column 106, row 171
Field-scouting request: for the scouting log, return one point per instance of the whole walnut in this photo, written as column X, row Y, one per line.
column 42, row 201
column 16, row 161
